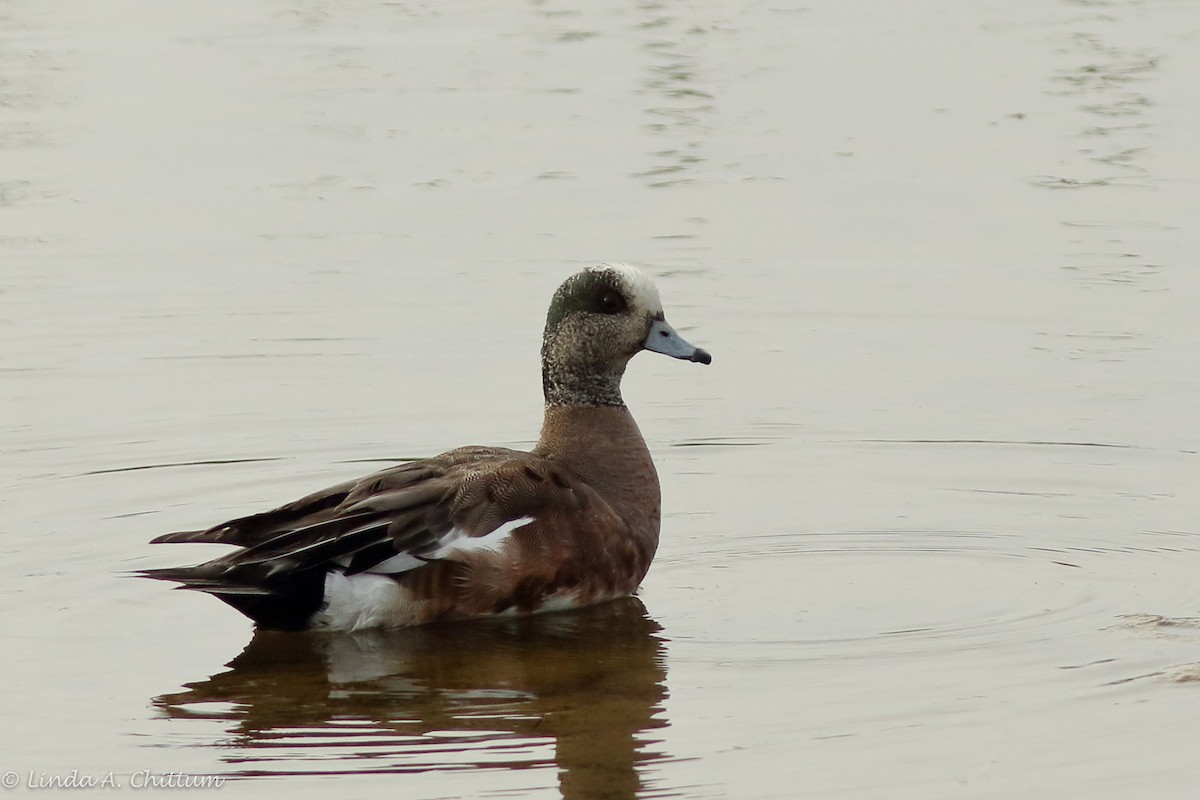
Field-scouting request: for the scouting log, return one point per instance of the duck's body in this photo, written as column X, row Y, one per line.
column 476, row 531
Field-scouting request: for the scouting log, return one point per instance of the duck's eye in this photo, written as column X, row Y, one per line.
column 612, row 303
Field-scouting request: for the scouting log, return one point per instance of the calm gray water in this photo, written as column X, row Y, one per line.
column 931, row 519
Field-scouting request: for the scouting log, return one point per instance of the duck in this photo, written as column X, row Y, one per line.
column 477, row 531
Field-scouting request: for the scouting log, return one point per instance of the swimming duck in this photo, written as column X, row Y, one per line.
column 476, row 531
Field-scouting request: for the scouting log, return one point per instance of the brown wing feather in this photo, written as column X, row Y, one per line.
column 408, row 509
column 310, row 510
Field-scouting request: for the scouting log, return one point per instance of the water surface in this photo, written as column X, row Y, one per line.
column 930, row 519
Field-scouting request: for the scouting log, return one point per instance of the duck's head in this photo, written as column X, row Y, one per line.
column 600, row 318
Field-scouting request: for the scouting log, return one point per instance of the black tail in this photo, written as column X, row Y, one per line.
column 283, row 602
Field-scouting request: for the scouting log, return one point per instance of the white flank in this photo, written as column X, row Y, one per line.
column 638, row 285
column 558, row 602
column 358, row 602
column 373, row 599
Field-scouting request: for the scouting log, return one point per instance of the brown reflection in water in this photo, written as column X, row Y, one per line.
column 578, row 690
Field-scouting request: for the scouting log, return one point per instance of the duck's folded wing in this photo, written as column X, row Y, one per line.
column 317, row 507
column 390, row 522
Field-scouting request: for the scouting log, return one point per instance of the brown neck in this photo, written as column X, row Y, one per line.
column 604, row 446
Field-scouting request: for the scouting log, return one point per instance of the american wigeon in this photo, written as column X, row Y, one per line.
column 476, row 531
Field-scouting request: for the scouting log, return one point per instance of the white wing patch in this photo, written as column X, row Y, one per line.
column 401, row 562
column 493, row 541
column 455, row 542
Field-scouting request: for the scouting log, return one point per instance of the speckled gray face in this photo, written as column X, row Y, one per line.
column 600, row 318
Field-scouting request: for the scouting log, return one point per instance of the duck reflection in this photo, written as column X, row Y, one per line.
column 578, row 690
